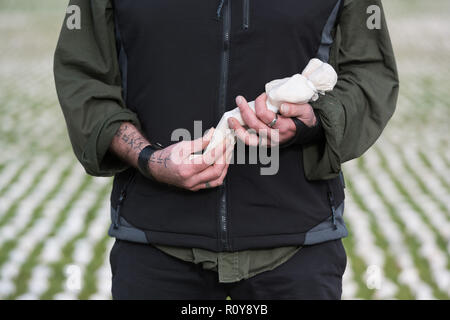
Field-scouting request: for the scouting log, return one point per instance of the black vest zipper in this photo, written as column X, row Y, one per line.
column 123, row 195
column 332, row 205
column 222, row 108
column 246, row 11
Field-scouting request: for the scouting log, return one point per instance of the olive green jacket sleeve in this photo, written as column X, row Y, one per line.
column 355, row 113
column 89, row 87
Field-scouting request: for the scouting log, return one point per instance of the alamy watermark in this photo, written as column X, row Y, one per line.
column 374, row 20
column 73, row 21
column 268, row 156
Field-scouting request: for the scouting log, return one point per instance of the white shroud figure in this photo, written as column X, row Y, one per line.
column 317, row 78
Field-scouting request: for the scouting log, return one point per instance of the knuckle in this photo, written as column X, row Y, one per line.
column 218, row 172
column 259, row 112
column 185, row 184
column 182, row 145
column 293, row 109
column 252, row 123
column 180, row 173
column 216, row 183
column 245, row 115
column 240, row 131
column 240, row 134
column 189, row 185
column 184, row 173
column 213, row 184
column 261, row 98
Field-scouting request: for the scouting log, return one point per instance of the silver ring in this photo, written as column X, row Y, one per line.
column 208, row 186
column 273, row 122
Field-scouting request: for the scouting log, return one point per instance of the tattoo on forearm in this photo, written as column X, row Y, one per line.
column 135, row 143
column 160, row 159
column 133, row 140
column 121, row 130
column 128, row 142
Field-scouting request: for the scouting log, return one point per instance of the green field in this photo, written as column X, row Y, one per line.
column 53, row 217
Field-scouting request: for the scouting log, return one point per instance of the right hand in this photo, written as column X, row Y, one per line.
column 174, row 165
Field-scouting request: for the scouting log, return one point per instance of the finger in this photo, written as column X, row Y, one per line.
column 225, row 160
column 265, row 139
column 201, row 143
column 262, row 113
column 242, row 134
column 213, row 155
column 230, row 150
column 284, row 125
column 219, row 181
column 222, row 158
column 294, row 110
column 248, row 115
column 213, row 184
column 204, row 161
column 211, row 173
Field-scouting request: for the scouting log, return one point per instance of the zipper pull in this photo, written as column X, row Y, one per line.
column 333, row 209
column 246, row 15
column 119, row 206
column 219, row 9
column 334, row 217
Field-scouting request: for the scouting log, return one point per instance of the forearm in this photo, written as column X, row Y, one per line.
column 127, row 143
column 172, row 165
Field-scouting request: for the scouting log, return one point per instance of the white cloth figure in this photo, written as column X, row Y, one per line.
column 317, row 78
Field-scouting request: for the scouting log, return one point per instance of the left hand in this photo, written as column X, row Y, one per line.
column 283, row 130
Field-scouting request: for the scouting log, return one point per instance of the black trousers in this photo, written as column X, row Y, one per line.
column 143, row 272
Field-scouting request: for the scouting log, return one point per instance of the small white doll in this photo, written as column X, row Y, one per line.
column 317, row 78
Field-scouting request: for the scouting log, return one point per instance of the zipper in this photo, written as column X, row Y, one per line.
column 122, row 196
column 333, row 208
column 219, row 9
column 341, row 177
column 223, row 223
column 246, row 11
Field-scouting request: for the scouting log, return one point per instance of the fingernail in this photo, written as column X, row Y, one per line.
column 284, row 108
column 239, row 99
column 230, row 122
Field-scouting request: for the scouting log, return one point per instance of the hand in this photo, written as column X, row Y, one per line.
column 174, row 165
column 281, row 132
column 303, row 112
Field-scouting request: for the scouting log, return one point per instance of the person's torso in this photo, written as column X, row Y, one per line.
column 182, row 63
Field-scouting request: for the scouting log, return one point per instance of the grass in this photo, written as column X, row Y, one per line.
column 441, row 242
column 410, row 240
column 58, row 279
column 391, row 268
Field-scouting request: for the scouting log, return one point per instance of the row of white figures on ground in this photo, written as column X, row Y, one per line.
column 317, row 78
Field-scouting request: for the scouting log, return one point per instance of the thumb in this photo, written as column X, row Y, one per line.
column 201, row 143
column 293, row 110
